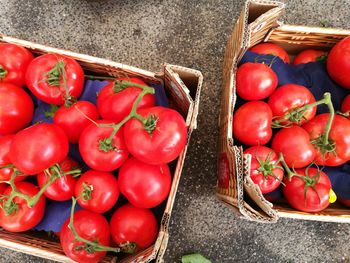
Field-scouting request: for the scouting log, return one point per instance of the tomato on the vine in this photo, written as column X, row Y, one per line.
column 38, row 147
column 55, row 78
column 255, row 81
column 294, row 143
column 271, row 49
column 75, row 118
column 289, row 97
column 115, row 103
column 14, row 61
column 62, row 188
column 308, row 191
column 160, row 139
column 90, row 226
column 144, row 185
column 252, row 123
column 21, row 217
column 310, row 55
column 98, row 151
column 97, row 191
column 338, row 150
column 16, row 108
column 265, row 170
column 130, row 224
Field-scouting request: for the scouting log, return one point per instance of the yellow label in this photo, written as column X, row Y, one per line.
column 332, row 196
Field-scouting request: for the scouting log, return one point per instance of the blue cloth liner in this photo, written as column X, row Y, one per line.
column 91, row 89
column 340, row 179
column 161, row 98
column 56, row 214
column 39, row 113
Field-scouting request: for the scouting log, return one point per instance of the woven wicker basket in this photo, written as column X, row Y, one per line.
column 258, row 23
column 183, row 87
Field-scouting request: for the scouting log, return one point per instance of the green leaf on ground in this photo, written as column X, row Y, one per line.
column 194, row 258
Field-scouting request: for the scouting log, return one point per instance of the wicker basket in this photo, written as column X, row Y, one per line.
column 183, row 87
column 258, row 23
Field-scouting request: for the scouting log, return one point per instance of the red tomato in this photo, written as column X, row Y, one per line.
column 6, row 173
column 90, row 226
column 75, row 118
column 345, row 202
column 14, row 61
column 24, row 218
column 144, row 185
column 94, row 151
column 115, row 105
column 310, row 55
column 252, row 123
column 97, row 191
column 309, row 192
column 16, row 108
column 255, row 81
column 288, row 98
column 3, row 187
column 62, row 188
column 271, row 49
column 338, row 63
column 160, row 145
column 264, row 169
column 45, row 78
column 294, row 144
column 345, row 106
column 339, row 134
column 38, row 147
column 134, row 225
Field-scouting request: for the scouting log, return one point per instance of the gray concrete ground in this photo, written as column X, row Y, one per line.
column 146, row 33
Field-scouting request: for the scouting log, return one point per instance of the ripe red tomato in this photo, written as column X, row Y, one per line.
column 14, row 61
column 98, row 155
column 271, row 49
column 62, row 188
column 3, row 187
column 309, row 192
column 288, row 98
column 134, row 225
column 338, row 63
column 264, row 168
column 252, row 123
column 339, row 134
column 16, row 108
column 345, row 106
column 45, row 78
column 6, row 173
column 24, row 218
column 90, row 226
column 97, row 191
column 144, row 185
column 294, row 144
column 75, row 118
column 255, row 81
column 310, row 55
column 115, row 105
column 38, row 147
column 163, row 143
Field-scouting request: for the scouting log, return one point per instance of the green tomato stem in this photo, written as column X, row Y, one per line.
column 98, row 77
column 95, row 245
column 327, row 98
column 285, row 166
column 3, row 72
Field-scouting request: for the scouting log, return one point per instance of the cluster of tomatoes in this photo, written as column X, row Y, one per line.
column 278, row 126
column 125, row 141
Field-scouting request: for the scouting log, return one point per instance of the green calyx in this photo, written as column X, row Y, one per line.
column 325, row 147
column 310, row 181
column 150, row 124
column 54, row 75
column 3, row 72
column 106, row 145
column 86, row 195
